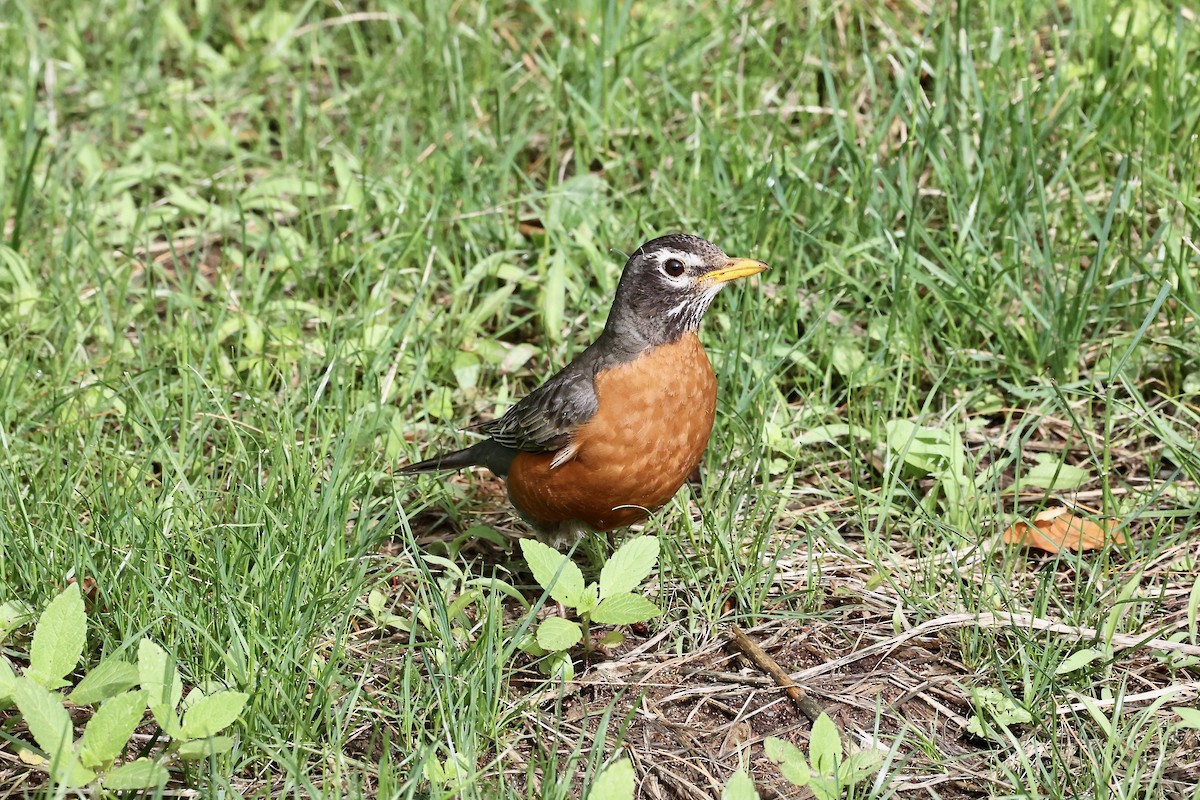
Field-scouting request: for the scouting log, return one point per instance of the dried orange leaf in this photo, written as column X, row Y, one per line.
column 1056, row 529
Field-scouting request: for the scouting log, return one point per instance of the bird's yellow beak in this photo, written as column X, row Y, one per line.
column 734, row 268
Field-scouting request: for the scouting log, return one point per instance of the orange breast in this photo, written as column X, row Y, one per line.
column 653, row 423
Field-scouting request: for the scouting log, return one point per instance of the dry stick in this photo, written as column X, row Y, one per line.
column 749, row 648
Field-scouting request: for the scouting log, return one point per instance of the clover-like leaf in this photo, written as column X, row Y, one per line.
column 108, row 679
column 556, row 633
column 108, row 731
column 629, row 566
column 624, row 609
column 558, row 575
column 58, row 639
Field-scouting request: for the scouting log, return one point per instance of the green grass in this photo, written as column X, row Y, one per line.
column 251, row 260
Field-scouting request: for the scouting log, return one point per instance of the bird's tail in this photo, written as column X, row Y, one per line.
column 486, row 454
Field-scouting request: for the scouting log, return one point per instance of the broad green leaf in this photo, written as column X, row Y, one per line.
column 58, row 639
column 825, row 788
column 197, row 749
column 792, row 763
column 141, row 773
column 616, row 782
column 556, row 633
column 212, row 714
column 824, row 746
column 739, row 787
column 434, row 772
column 625, row 609
column 558, row 575
column 629, row 566
column 926, row 449
column 1053, row 475
column 49, row 723
column 110, row 677
column 1078, row 660
column 159, row 676
column 108, row 731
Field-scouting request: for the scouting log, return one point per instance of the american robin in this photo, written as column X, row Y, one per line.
column 611, row 437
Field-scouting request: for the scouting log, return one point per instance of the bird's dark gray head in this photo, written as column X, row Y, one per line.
column 667, row 286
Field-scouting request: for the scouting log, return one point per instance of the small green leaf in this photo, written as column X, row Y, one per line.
column 109, row 678
column 376, row 601
column 212, row 714
column 558, row 575
column 49, row 723
column 847, row 357
column 739, row 787
column 616, row 782
column 924, row 449
column 13, row 614
column 528, row 644
column 197, row 749
column 858, row 765
column 1188, row 717
column 629, row 566
column 1078, row 660
column 559, row 665
column 612, row 639
column 824, row 746
column 791, row 761
column 8, row 680
column 108, row 731
column 58, row 639
column 588, row 599
column 556, row 633
column 624, row 609
column 1054, row 475
column 141, row 773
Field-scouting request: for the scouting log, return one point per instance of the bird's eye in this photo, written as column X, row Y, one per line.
column 673, row 267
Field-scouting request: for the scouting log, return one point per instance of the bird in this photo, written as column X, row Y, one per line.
column 610, row 438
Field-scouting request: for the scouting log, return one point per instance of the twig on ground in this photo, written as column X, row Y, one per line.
column 750, row 648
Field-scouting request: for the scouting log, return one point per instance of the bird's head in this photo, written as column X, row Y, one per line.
column 668, row 284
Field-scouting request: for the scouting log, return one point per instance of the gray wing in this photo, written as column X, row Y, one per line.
column 545, row 419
